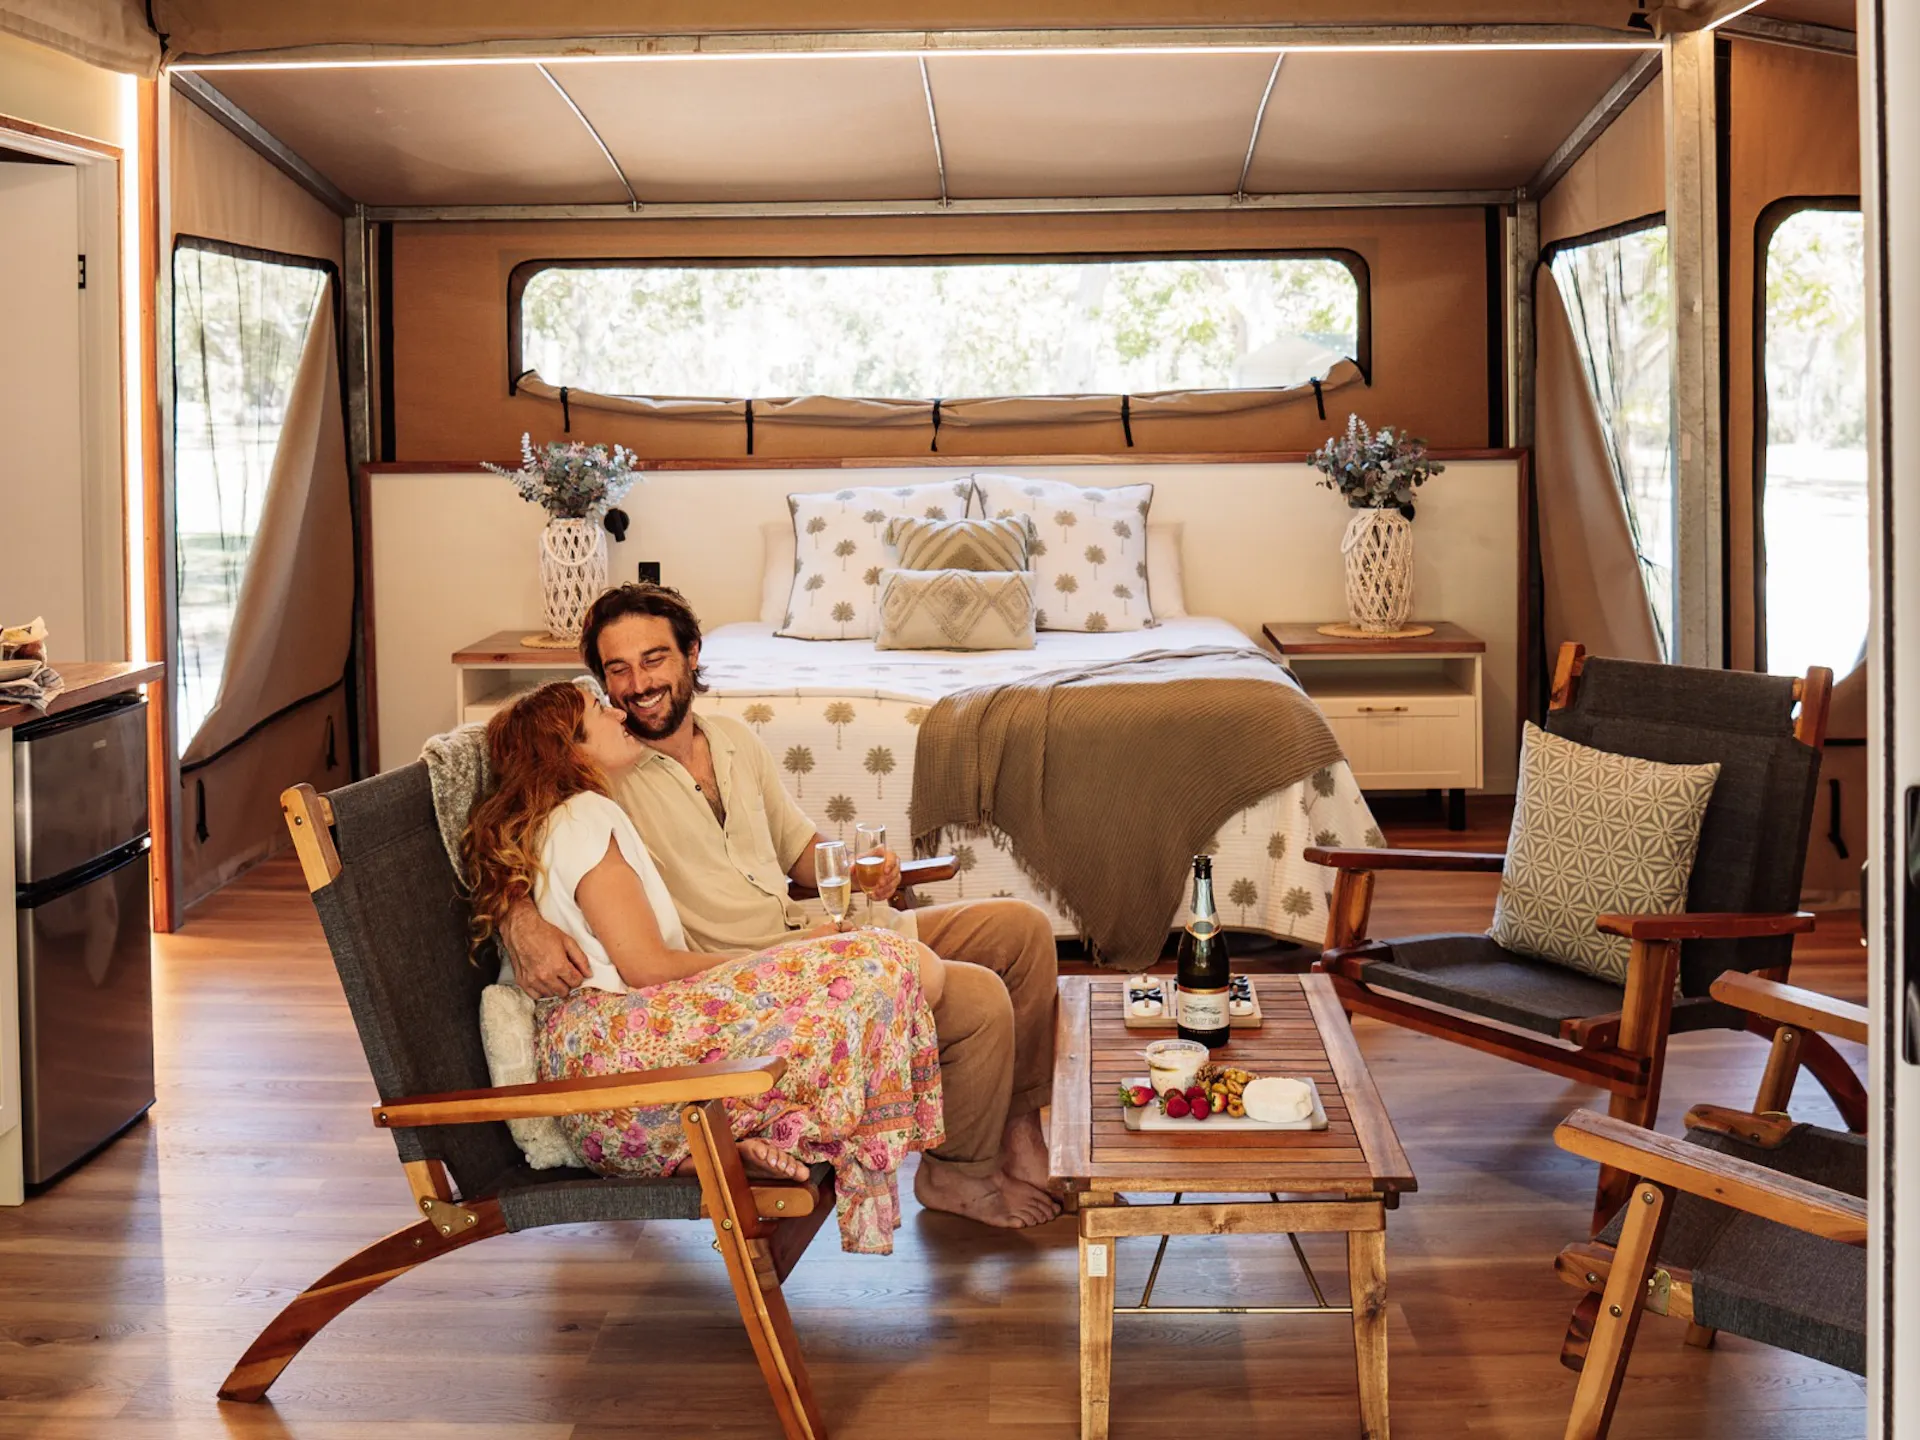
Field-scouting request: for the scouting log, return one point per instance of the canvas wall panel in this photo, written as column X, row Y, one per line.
column 224, row 191
column 1622, row 177
column 1429, row 304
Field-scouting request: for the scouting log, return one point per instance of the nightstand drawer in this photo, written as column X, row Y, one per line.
column 1408, row 742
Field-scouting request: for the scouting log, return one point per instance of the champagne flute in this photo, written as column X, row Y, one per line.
column 835, row 881
column 869, row 859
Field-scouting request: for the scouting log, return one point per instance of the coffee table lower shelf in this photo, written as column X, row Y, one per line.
column 1341, row 1180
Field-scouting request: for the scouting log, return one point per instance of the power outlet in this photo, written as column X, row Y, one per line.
column 649, row 572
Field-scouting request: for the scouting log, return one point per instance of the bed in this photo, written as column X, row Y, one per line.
column 841, row 718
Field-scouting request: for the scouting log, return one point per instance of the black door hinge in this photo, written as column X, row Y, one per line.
column 83, row 272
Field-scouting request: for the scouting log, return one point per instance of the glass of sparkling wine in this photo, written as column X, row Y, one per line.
column 835, row 880
column 869, row 859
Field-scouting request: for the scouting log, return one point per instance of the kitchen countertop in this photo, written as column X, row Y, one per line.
column 87, row 681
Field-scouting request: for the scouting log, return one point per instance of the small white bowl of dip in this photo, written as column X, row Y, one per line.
column 1172, row 1064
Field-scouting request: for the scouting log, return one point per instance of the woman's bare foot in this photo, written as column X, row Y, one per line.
column 765, row 1161
column 1023, row 1150
column 997, row 1199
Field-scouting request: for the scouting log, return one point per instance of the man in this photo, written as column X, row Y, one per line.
column 727, row 838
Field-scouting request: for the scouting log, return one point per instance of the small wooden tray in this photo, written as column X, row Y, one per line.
column 1164, row 1020
column 1149, row 1118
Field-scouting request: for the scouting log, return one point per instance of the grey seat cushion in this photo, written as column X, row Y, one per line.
column 1474, row 974
column 1767, row 1281
column 532, row 1198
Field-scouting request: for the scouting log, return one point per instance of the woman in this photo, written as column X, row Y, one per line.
column 849, row 1013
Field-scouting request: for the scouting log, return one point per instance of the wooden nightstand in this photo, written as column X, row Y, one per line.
column 490, row 672
column 1407, row 712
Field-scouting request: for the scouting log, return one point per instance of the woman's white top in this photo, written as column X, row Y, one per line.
column 574, row 841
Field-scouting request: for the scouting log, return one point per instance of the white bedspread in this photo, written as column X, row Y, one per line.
column 842, row 718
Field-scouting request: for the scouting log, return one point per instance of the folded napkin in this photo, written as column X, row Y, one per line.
column 25, row 676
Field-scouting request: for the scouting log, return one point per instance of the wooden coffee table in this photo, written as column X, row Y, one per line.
column 1339, row 1180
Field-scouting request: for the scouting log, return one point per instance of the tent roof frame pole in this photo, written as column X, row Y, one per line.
column 933, row 42
column 1610, row 106
column 1799, row 35
column 593, row 132
column 263, row 142
column 933, row 124
column 1259, row 119
column 1062, row 205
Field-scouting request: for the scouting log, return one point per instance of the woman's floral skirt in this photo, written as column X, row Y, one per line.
column 847, row 1014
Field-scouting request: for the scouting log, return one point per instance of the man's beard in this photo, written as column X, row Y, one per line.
column 665, row 722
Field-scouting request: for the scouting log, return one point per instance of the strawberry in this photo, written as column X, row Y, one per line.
column 1200, row 1109
column 1196, row 1092
column 1177, row 1107
column 1138, row 1096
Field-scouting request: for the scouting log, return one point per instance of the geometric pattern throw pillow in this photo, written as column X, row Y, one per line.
column 955, row 610
column 1595, row 834
column 840, row 549
column 995, row 545
column 1089, row 548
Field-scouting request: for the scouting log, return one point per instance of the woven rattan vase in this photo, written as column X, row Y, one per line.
column 573, row 571
column 1379, row 554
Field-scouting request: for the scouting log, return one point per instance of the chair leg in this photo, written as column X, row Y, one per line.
column 1579, row 1337
column 308, row 1313
column 1617, row 1317
column 1837, row 1078
column 1646, row 1017
column 747, row 1244
column 1701, row 1337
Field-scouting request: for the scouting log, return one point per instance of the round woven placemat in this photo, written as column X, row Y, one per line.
column 1354, row 632
column 544, row 641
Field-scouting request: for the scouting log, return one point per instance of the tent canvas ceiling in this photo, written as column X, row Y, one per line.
column 857, row 128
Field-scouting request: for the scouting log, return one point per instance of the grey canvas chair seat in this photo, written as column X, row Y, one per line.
column 1476, row 974
column 1766, row 1281
column 397, row 926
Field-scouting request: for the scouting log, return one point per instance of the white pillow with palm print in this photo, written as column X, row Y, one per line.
column 1089, row 555
column 840, row 549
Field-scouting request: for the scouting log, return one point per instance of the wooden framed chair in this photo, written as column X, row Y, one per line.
column 1752, row 1224
column 396, row 924
column 1765, row 732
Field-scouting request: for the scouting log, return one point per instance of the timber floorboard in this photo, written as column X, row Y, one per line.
column 130, row 1286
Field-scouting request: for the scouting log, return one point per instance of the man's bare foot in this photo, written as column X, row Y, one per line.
column 1023, row 1150
column 997, row 1199
column 765, row 1161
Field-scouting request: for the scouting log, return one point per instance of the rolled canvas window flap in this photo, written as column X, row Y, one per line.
column 286, row 655
column 682, row 409
column 1595, row 591
column 112, row 34
column 1209, row 404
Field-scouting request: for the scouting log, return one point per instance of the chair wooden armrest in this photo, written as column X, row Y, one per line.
column 912, row 872
column 1339, row 858
column 1790, row 1005
column 1705, row 925
column 675, row 1085
column 1727, row 1179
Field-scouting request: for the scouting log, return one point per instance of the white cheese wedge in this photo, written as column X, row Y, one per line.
column 1275, row 1101
column 1146, row 1009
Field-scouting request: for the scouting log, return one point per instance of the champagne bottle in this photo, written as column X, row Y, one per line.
column 1203, row 975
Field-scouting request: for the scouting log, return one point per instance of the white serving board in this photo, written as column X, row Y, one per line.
column 1150, row 1118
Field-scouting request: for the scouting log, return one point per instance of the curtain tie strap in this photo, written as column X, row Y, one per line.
column 200, row 831
column 1126, row 419
column 1319, row 400
column 566, row 412
column 935, row 446
column 749, row 427
column 332, row 758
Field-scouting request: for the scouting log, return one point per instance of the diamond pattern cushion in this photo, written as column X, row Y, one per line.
column 1595, row 834
column 962, row 544
column 955, row 610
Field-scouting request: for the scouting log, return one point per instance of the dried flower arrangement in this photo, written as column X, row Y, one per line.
column 571, row 480
column 1375, row 469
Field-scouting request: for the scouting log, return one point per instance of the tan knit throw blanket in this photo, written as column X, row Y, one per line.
column 1109, row 778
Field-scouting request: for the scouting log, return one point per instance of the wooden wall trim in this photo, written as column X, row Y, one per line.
column 68, row 138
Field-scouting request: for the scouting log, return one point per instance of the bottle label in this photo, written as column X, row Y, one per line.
column 1203, row 1010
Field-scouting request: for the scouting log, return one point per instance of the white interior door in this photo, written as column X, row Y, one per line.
column 43, row 569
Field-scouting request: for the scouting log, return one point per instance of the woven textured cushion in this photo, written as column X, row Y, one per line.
column 1089, row 549
column 1767, row 1281
column 996, row 545
column 955, row 610
column 506, row 1030
column 840, row 550
column 1595, row 834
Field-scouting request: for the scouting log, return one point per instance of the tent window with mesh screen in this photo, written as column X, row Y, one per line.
column 976, row 329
